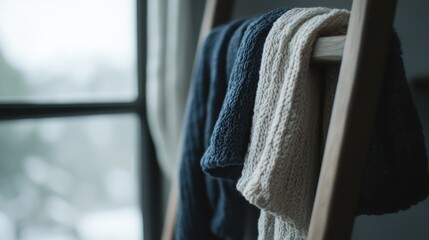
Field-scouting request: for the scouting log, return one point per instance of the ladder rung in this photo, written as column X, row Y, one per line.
column 329, row 49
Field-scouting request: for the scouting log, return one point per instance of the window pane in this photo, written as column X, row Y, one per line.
column 69, row 179
column 67, row 50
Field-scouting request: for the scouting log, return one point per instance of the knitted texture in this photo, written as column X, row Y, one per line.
column 397, row 171
column 203, row 212
column 224, row 156
column 280, row 169
column 234, row 44
column 290, row 123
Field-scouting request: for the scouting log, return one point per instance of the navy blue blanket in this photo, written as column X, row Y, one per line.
column 224, row 156
column 208, row 207
column 217, row 133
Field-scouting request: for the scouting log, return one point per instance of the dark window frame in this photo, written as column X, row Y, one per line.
column 149, row 174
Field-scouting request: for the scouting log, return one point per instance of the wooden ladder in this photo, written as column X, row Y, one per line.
column 363, row 54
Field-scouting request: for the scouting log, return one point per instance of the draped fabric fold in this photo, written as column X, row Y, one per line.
column 171, row 44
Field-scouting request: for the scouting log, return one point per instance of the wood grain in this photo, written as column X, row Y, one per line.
column 171, row 212
column 329, row 49
column 363, row 54
column 216, row 12
column 352, row 119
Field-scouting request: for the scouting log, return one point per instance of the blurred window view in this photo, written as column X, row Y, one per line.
column 67, row 50
column 69, row 178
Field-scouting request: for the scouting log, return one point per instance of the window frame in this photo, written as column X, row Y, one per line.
column 149, row 173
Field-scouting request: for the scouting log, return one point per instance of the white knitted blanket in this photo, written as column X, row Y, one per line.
column 281, row 167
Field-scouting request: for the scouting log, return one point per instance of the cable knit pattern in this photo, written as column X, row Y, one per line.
column 228, row 145
column 280, row 173
column 291, row 106
column 290, row 124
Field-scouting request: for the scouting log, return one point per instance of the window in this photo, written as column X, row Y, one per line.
column 76, row 159
column 89, row 45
